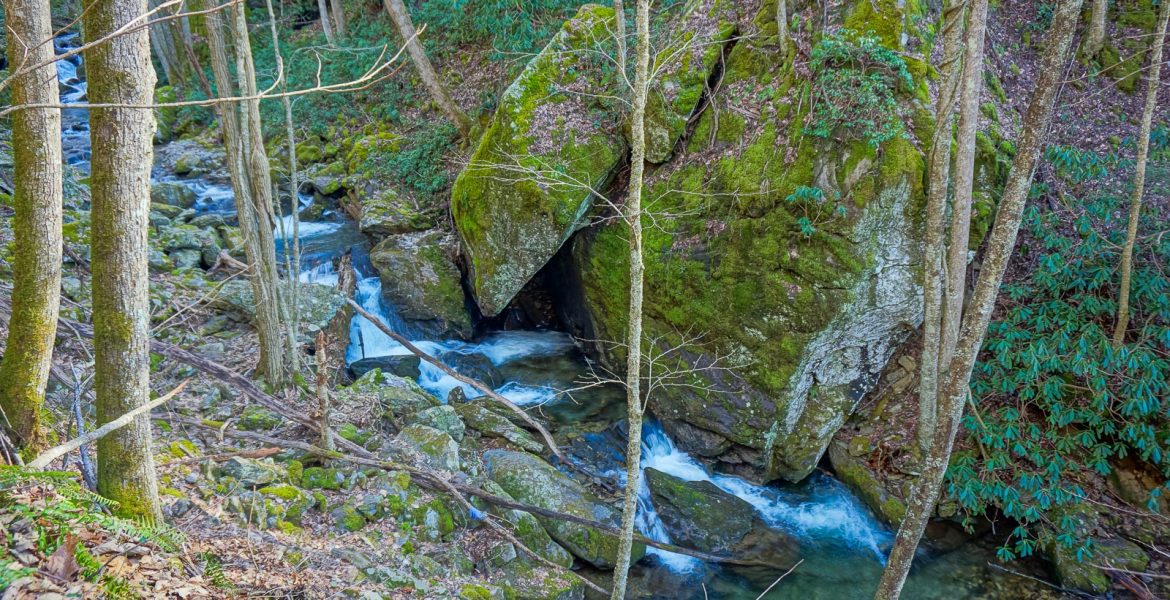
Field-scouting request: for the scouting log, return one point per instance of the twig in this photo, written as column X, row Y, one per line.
column 487, row 391
column 48, row 456
column 785, row 574
column 222, row 456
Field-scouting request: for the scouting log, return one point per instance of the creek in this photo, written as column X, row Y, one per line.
column 842, row 545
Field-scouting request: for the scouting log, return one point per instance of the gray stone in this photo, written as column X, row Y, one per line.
column 444, row 418
column 436, row 447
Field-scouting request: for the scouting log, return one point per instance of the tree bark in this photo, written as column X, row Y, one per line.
column 782, row 25
column 1153, row 82
column 278, row 355
column 162, row 39
column 635, row 406
column 251, row 184
column 1095, row 39
column 121, row 139
column 964, row 181
column 326, row 25
column 933, row 271
column 339, row 23
column 1000, row 246
column 36, row 272
column 426, row 71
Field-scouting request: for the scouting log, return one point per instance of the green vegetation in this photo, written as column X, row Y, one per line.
column 856, row 83
column 1055, row 399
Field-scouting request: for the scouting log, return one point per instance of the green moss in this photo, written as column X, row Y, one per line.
column 322, row 478
column 288, row 528
column 282, row 491
column 296, row 471
column 183, row 449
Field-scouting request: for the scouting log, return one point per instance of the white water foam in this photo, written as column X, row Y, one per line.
column 830, row 514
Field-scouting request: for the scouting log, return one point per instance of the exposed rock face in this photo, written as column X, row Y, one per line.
column 532, row 481
column 421, row 279
column 699, row 515
column 804, row 300
column 557, row 137
column 551, row 141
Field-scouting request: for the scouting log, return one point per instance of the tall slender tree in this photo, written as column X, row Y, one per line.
column 36, row 294
column 426, row 71
column 251, row 184
column 782, row 24
column 1153, row 82
column 339, row 22
column 121, row 138
column 956, row 386
column 933, row 272
column 964, row 181
column 632, row 209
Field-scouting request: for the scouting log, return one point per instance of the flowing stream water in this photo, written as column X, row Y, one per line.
column 842, row 544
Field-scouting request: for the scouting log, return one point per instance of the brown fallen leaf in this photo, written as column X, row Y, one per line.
column 62, row 564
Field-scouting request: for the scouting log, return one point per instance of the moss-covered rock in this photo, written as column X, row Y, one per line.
column 527, row 528
column 444, row 418
column 257, row 418
column 322, row 306
column 321, row 478
column 397, row 397
column 797, row 258
column 386, row 212
column 172, row 194
column 552, row 139
column 699, row 515
column 436, row 447
column 1078, row 573
column 419, row 275
column 854, row 473
column 533, row 481
column 490, row 423
column 528, row 582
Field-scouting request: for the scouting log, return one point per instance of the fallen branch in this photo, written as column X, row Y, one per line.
column 487, row 391
column 778, row 579
column 48, row 456
column 433, row 480
column 222, row 456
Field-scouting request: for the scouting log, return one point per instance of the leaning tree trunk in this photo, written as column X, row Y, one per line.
column 635, row 405
column 933, row 272
column 964, row 181
column 1139, row 180
column 255, row 224
column 426, row 71
column 956, row 386
column 1095, row 39
column 36, row 272
column 120, row 73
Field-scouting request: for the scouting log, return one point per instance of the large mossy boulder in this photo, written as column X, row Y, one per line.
column 797, row 259
column 527, row 528
column 699, row 515
column 397, row 398
column 553, row 139
column 557, row 137
column 531, row 480
column 321, row 306
column 437, row 449
column 386, row 212
column 420, row 277
column 171, row 193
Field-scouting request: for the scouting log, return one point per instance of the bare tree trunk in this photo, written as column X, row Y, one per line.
column 933, row 272
column 1153, row 81
column 1095, row 39
column 164, row 46
column 247, row 180
column 782, row 25
column 326, row 25
column 120, row 72
column 635, row 406
column 36, row 272
column 293, row 262
column 964, row 181
column 269, row 319
column 339, row 23
column 323, row 390
column 619, row 13
column 426, row 71
column 1000, row 246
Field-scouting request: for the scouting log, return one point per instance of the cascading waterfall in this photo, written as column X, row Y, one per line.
column 825, row 515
